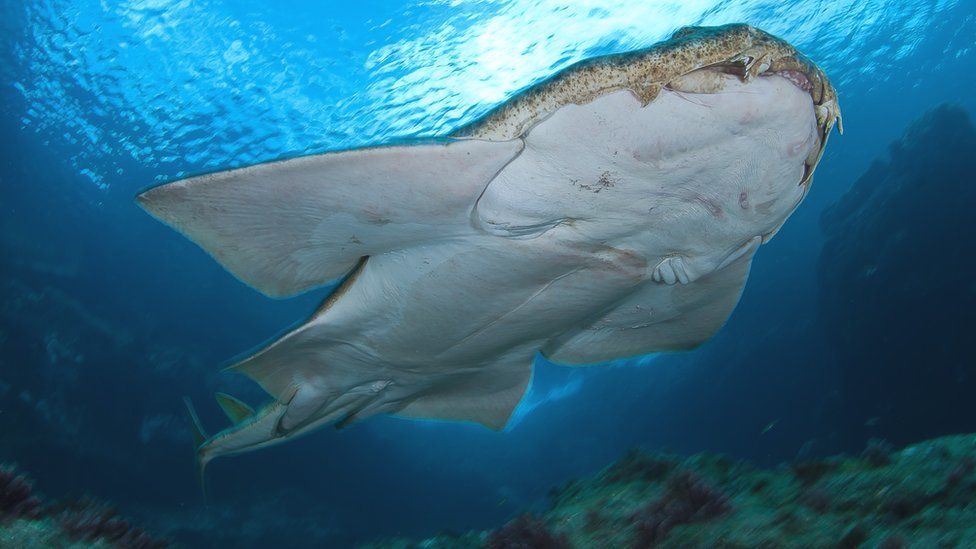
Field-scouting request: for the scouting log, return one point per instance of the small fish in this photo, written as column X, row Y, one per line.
column 872, row 422
column 769, row 427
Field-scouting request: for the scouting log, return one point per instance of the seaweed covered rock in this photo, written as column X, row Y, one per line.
column 90, row 521
column 526, row 532
column 26, row 520
column 921, row 496
column 897, row 294
column 17, row 499
column 687, row 499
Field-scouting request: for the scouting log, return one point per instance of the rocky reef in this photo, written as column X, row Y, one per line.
column 26, row 520
column 921, row 496
column 897, row 296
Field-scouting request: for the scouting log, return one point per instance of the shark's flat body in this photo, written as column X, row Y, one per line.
column 608, row 212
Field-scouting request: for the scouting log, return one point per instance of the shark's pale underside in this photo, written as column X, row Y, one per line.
column 612, row 210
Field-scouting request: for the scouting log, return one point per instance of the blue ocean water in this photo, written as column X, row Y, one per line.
column 108, row 318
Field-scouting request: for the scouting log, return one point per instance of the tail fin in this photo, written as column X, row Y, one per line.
column 199, row 437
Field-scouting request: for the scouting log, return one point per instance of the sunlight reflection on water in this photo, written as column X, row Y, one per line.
column 172, row 86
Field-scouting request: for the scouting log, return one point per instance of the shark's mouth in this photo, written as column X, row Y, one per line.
column 675, row 64
column 764, row 56
column 711, row 80
column 800, row 79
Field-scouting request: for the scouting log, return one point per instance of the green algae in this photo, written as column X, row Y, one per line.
column 41, row 533
column 921, row 496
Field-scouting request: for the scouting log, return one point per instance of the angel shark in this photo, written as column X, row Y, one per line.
column 612, row 210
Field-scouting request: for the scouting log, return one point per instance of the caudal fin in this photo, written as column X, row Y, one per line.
column 199, row 437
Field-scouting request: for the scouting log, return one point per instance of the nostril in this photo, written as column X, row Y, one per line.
column 744, row 200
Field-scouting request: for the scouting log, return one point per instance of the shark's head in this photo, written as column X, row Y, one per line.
column 713, row 138
column 727, row 60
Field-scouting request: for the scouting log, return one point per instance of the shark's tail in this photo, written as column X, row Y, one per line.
column 199, row 438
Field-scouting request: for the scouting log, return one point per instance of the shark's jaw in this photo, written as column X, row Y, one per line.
column 754, row 53
column 736, row 49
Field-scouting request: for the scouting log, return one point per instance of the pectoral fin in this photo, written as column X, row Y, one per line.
column 287, row 226
column 487, row 397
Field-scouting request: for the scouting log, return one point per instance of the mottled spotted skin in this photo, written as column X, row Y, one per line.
column 739, row 47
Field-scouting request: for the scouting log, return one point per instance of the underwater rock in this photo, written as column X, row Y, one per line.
column 26, row 520
column 877, row 452
column 687, row 499
column 91, row 521
column 526, row 532
column 897, row 293
column 16, row 496
column 920, row 496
